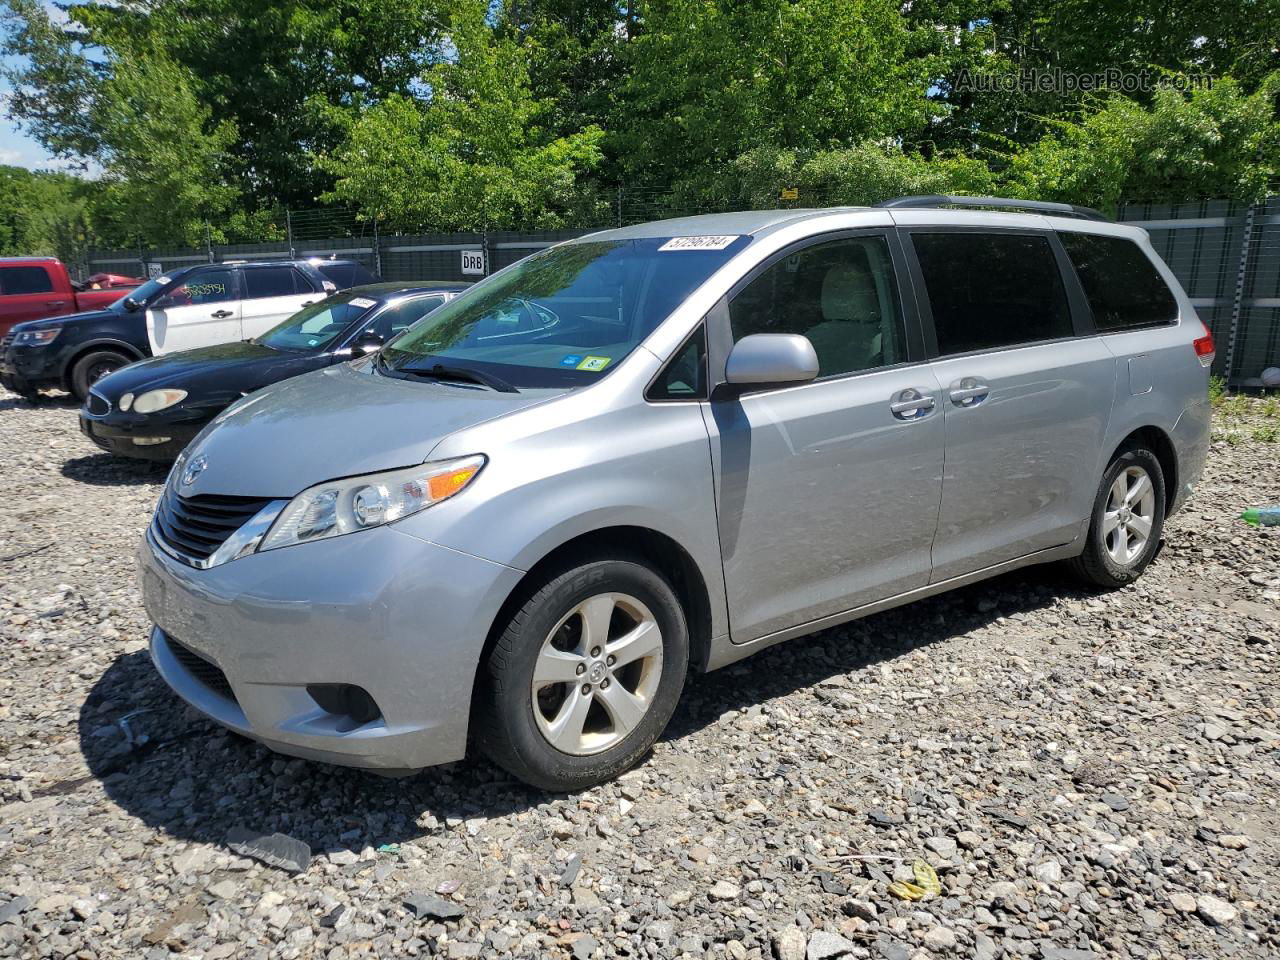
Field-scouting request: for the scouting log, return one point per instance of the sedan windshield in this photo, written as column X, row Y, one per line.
column 560, row 318
column 317, row 326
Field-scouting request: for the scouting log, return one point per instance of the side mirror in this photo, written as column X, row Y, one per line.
column 366, row 343
column 771, row 359
column 132, row 305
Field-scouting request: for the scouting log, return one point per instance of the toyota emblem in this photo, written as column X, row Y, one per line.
column 193, row 470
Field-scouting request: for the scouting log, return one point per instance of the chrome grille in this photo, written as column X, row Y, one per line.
column 197, row 526
column 97, row 404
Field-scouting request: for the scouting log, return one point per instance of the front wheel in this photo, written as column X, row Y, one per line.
column 92, row 367
column 585, row 675
column 1127, row 520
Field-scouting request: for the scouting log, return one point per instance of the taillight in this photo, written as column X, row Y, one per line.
column 1204, row 346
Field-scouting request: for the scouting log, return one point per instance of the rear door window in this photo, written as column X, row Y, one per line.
column 15, row 281
column 992, row 290
column 399, row 318
column 261, row 282
column 1122, row 285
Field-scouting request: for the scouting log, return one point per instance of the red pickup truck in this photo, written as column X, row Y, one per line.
column 32, row 288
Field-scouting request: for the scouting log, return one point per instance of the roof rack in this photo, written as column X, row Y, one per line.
column 1002, row 203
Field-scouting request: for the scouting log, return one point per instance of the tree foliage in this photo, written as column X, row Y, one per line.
column 206, row 118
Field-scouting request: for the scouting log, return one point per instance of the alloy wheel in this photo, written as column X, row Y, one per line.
column 597, row 673
column 1129, row 515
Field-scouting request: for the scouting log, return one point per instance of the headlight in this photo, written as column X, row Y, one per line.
column 358, row 503
column 37, row 338
column 125, row 402
column 154, row 400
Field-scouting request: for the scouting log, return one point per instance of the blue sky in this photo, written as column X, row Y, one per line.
column 17, row 149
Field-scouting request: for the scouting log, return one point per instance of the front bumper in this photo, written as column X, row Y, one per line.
column 402, row 618
column 121, row 440
column 30, row 368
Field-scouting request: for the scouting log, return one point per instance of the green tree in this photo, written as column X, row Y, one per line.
column 1219, row 142
column 476, row 152
column 712, row 79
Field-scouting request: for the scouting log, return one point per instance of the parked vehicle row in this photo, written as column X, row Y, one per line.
column 191, row 307
column 33, row 288
column 519, row 524
column 153, row 408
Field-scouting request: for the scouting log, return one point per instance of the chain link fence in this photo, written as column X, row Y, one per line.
column 1226, row 255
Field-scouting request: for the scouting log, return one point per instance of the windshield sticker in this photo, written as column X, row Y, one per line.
column 594, row 363
column 362, row 302
column 164, row 280
column 571, row 360
column 697, row 243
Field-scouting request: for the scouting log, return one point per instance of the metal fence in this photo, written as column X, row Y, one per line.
column 1227, row 257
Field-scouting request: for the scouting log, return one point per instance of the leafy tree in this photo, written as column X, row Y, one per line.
column 1212, row 143
column 712, row 79
column 475, row 153
column 42, row 213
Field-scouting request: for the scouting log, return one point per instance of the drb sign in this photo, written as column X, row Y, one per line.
column 473, row 263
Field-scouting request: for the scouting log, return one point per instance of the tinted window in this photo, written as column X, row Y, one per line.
column 19, row 280
column 207, row 286
column 992, row 290
column 403, row 315
column 345, row 273
column 685, row 376
column 841, row 295
column 1121, row 284
column 563, row 316
column 273, row 282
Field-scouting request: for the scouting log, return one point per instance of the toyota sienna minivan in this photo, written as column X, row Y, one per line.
column 660, row 449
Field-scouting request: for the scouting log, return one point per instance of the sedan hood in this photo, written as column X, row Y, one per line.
column 225, row 370
column 338, row 422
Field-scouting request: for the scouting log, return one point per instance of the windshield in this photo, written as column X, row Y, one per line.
column 564, row 317
column 143, row 293
column 317, row 326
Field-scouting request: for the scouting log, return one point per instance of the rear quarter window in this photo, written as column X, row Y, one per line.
column 1122, row 285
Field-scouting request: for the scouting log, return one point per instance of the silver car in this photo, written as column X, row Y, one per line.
column 660, row 449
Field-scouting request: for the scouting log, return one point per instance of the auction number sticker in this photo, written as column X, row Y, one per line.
column 362, row 302
column 697, row 243
column 206, row 289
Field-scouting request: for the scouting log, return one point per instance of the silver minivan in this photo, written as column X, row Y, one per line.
column 660, row 449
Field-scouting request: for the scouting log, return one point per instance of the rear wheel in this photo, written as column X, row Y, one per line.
column 585, row 675
column 92, row 367
column 1127, row 521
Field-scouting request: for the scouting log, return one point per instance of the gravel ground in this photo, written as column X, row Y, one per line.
column 1089, row 775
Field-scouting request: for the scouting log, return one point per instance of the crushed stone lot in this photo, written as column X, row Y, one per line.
column 1090, row 775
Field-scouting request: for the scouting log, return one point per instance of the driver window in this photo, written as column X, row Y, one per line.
column 842, row 295
column 207, row 286
column 402, row 316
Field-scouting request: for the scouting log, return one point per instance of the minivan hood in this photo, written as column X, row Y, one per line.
column 338, row 422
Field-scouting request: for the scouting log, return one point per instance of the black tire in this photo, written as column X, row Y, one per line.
column 503, row 723
column 1096, row 565
column 92, row 367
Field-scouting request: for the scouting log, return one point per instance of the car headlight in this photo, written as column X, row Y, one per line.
column 37, row 338
column 154, row 400
column 359, row 503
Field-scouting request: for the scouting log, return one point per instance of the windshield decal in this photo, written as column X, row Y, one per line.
column 164, row 280
column 594, row 364
column 697, row 243
column 362, row 302
column 571, row 360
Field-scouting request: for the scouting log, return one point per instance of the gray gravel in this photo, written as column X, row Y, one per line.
column 1090, row 775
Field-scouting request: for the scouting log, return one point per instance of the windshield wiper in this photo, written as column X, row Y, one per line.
column 439, row 371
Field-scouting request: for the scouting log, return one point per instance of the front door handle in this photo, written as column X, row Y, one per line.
column 969, row 392
column 55, row 303
column 911, row 404
column 222, row 314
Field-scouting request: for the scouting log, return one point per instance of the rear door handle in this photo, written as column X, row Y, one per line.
column 222, row 314
column 969, row 392
column 911, row 404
